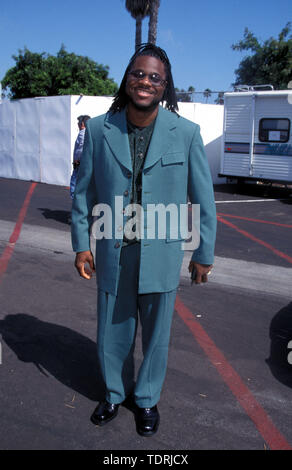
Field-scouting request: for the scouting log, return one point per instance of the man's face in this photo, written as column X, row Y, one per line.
column 144, row 94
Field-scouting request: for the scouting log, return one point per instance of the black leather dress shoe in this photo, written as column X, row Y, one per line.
column 147, row 421
column 104, row 412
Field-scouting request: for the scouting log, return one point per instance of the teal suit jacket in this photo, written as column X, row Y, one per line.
column 175, row 169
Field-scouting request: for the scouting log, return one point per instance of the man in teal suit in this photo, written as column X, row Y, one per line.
column 146, row 155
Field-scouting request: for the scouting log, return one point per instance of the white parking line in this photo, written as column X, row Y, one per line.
column 251, row 200
column 248, row 275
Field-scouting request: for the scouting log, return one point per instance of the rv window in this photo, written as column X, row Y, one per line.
column 274, row 130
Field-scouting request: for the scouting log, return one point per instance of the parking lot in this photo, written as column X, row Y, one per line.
column 229, row 379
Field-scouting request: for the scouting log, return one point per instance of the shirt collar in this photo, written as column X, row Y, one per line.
column 133, row 128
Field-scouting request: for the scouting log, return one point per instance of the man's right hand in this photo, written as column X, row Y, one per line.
column 83, row 258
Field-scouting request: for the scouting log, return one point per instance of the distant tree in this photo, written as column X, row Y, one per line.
column 191, row 90
column 153, row 13
column 220, row 98
column 183, row 95
column 29, row 77
column 41, row 74
column 138, row 9
column 269, row 63
column 207, row 94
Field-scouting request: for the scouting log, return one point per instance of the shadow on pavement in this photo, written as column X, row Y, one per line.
column 287, row 201
column 281, row 335
column 58, row 215
column 255, row 190
column 68, row 356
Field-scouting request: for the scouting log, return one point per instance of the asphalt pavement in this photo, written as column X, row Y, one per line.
column 229, row 378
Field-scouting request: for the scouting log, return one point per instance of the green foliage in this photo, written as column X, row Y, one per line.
column 41, row 74
column 138, row 8
column 271, row 62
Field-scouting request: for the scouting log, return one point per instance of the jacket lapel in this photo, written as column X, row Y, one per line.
column 163, row 137
column 116, row 135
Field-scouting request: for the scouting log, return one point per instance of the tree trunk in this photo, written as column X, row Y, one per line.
column 152, row 32
column 138, row 39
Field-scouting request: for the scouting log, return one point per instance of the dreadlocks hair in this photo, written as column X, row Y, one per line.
column 121, row 98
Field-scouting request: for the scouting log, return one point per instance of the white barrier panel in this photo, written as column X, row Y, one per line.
column 35, row 139
column 55, row 140
column 37, row 135
column 210, row 119
column 7, row 140
column 27, row 140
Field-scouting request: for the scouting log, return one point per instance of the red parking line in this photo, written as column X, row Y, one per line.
column 8, row 251
column 272, row 436
column 254, row 220
column 257, row 240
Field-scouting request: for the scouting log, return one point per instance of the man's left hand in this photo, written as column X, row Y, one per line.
column 202, row 271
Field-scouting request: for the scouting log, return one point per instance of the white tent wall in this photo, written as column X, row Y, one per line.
column 37, row 135
column 7, row 140
column 27, row 139
column 55, row 137
column 210, row 119
column 35, row 139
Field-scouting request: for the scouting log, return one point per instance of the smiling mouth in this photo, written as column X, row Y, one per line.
column 143, row 93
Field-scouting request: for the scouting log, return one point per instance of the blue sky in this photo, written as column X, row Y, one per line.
column 196, row 34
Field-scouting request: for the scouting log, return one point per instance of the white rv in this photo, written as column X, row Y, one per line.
column 257, row 141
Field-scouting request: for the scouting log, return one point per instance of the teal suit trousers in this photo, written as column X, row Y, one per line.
column 118, row 318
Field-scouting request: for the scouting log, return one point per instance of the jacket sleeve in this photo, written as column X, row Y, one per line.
column 84, row 198
column 200, row 191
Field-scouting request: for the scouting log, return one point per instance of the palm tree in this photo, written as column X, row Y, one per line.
column 207, row 93
column 220, row 98
column 191, row 91
column 153, row 13
column 138, row 9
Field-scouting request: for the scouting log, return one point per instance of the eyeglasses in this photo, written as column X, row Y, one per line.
column 154, row 78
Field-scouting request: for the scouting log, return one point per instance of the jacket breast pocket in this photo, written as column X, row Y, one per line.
column 174, row 158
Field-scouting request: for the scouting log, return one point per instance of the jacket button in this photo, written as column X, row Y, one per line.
column 126, row 193
column 117, row 245
column 129, row 175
